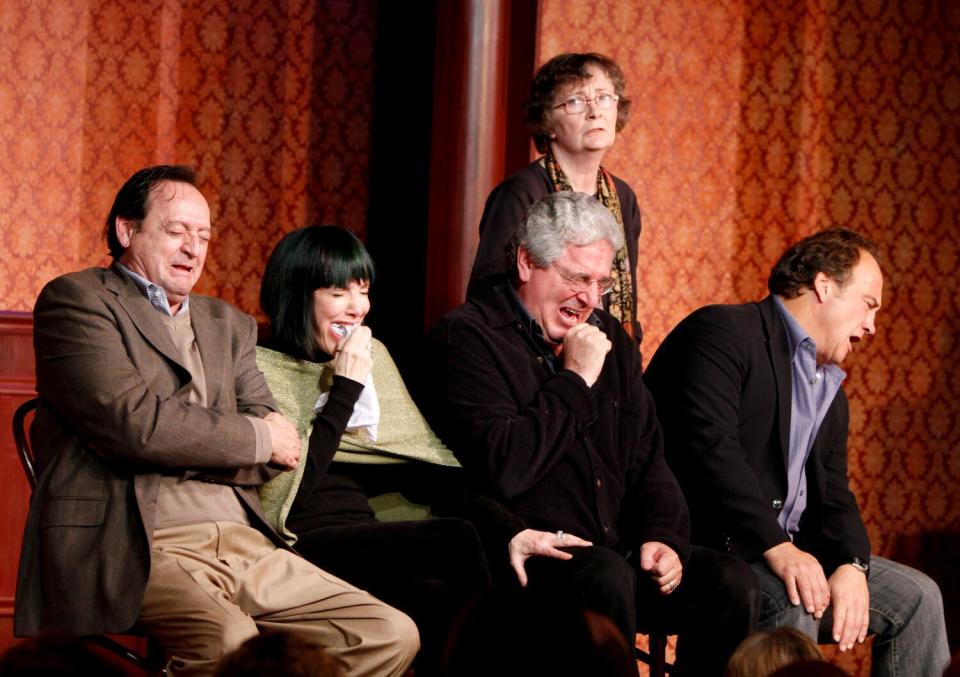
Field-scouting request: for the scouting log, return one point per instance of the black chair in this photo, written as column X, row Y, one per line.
column 154, row 662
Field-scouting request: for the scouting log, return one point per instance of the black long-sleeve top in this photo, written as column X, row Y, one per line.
column 335, row 494
column 327, row 498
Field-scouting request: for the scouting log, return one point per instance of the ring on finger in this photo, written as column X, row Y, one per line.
column 671, row 586
column 561, row 535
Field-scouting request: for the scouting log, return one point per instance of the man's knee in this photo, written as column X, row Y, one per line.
column 596, row 578
column 614, row 573
column 776, row 609
column 608, row 585
column 898, row 586
column 777, row 613
column 593, row 571
column 373, row 639
column 232, row 634
column 927, row 591
column 406, row 637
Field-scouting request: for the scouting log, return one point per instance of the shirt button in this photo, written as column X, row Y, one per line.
column 540, row 359
column 606, row 528
column 599, row 483
column 777, row 503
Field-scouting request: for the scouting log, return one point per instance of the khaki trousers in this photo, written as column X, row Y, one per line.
column 213, row 585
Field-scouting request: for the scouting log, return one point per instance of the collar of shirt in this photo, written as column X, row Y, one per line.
column 156, row 294
column 803, row 351
column 534, row 331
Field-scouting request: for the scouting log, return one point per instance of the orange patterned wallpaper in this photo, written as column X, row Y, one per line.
column 755, row 123
column 270, row 102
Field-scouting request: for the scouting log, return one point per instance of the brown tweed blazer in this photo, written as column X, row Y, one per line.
column 113, row 414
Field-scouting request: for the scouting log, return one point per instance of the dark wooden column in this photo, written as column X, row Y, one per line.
column 481, row 47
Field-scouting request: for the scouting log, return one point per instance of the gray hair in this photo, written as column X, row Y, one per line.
column 563, row 219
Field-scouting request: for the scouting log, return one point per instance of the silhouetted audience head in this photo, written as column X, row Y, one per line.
column 56, row 655
column 762, row 653
column 810, row 668
column 520, row 633
column 279, row 654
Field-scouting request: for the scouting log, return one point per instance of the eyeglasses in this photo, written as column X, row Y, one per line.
column 582, row 283
column 578, row 104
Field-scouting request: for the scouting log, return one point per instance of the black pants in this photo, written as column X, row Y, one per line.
column 428, row 569
column 713, row 609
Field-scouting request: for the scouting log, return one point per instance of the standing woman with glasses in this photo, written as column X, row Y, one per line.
column 575, row 109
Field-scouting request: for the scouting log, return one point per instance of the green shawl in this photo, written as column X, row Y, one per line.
column 403, row 434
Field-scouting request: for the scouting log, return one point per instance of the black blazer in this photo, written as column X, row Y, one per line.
column 722, row 384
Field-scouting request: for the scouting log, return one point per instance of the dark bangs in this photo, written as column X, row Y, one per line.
column 303, row 261
column 338, row 258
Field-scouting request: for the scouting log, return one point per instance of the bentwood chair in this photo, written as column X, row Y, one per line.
column 656, row 655
column 154, row 662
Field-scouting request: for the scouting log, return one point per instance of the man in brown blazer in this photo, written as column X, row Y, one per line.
column 155, row 427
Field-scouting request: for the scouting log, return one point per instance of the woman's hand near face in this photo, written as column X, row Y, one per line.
column 354, row 358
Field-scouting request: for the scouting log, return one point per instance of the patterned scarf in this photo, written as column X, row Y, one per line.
column 618, row 302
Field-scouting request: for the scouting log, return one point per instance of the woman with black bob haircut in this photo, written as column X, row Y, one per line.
column 362, row 437
column 306, row 260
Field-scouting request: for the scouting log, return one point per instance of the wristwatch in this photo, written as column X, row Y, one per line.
column 860, row 565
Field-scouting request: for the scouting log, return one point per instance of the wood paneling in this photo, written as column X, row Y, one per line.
column 16, row 385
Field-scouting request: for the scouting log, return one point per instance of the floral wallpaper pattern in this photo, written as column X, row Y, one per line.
column 754, row 123
column 270, row 102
